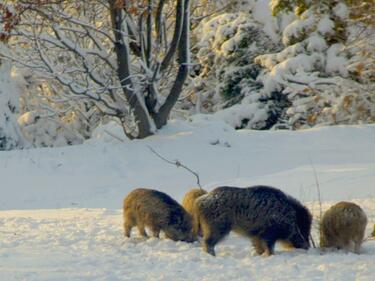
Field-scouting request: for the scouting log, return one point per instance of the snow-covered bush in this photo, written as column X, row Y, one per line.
column 316, row 71
column 245, row 115
column 49, row 118
column 212, row 6
column 227, row 75
column 48, row 131
column 10, row 134
column 130, row 58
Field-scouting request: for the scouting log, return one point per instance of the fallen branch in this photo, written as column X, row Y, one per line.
column 177, row 163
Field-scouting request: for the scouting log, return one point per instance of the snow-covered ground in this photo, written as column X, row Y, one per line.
column 87, row 244
column 61, row 217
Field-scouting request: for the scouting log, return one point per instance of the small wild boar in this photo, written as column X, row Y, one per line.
column 264, row 214
column 373, row 232
column 157, row 211
column 343, row 227
column 190, row 197
column 188, row 203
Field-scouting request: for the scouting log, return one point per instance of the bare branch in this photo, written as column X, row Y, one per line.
column 178, row 164
column 180, row 9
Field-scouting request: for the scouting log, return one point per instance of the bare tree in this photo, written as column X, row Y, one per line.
column 130, row 57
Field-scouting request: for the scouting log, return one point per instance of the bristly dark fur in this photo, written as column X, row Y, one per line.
column 265, row 214
column 158, row 211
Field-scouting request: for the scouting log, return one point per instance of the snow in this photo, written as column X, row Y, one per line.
column 336, row 63
column 316, row 43
column 60, row 177
column 61, row 207
column 298, row 27
column 262, row 13
column 86, row 244
column 326, row 26
column 224, row 32
column 341, row 10
column 235, row 114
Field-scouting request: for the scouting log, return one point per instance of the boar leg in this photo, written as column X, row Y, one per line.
column 358, row 242
column 357, row 247
column 141, row 229
column 155, row 231
column 128, row 224
column 127, row 229
column 269, row 247
column 258, row 244
column 208, row 244
column 212, row 235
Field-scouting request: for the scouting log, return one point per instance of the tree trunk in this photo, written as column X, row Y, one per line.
column 141, row 116
column 147, row 119
column 161, row 117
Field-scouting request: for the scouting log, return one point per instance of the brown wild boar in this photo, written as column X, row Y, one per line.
column 343, row 227
column 264, row 214
column 157, row 211
column 190, row 197
column 373, row 232
column 188, row 203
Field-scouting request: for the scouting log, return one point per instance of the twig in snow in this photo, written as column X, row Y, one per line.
column 176, row 163
column 317, row 189
column 312, row 241
column 319, row 197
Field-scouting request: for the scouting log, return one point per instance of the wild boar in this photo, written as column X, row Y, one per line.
column 343, row 227
column 157, row 211
column 264, row 214
column 188, row 204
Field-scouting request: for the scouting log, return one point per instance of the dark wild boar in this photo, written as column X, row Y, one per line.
column 264, row 214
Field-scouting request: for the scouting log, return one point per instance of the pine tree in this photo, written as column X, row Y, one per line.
column 320, row 72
